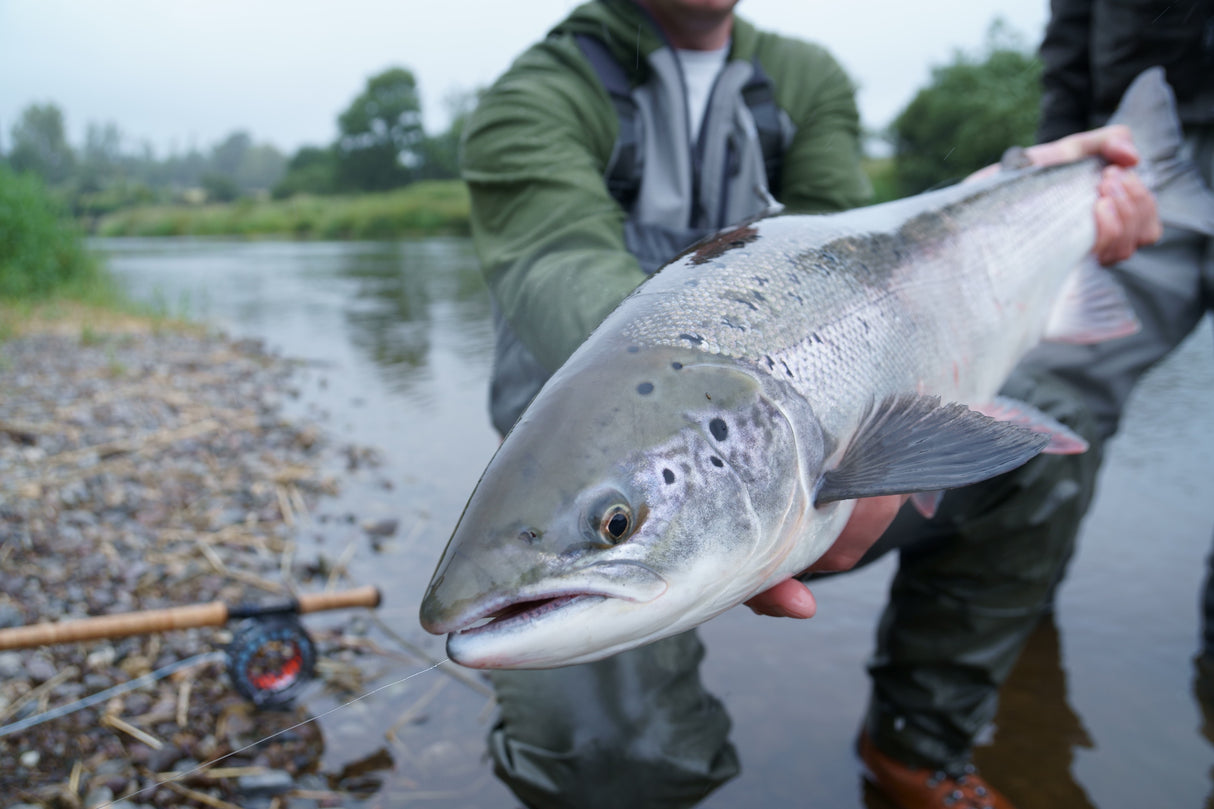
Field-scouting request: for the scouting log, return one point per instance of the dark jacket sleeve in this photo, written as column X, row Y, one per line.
column 1066, row 82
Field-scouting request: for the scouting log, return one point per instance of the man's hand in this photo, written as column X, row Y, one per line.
column 868, row 521
column 1126, row 216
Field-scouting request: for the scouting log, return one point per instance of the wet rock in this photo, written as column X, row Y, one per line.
column 10, row 616
column 381, row 528
column 11, row 664
column 266, row 784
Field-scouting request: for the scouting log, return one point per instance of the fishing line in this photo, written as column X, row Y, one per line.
column 102, row 696
column 177, row 776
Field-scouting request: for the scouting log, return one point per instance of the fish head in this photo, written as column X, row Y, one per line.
column 644, row 491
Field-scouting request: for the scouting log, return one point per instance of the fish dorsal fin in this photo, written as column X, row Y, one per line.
column 1091, row 308
column 910, row 443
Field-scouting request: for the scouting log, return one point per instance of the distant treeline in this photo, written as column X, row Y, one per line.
column 973, row 108
column 381, row 145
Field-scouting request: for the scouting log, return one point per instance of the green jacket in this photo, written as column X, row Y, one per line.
column 549, row 235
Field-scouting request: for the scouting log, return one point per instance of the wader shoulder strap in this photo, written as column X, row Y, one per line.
column 626, row 166
column 760, row 97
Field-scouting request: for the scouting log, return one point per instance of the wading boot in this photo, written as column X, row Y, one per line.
column 922, row 788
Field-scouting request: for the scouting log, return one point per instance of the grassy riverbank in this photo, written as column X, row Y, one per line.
column 437, row 207
column 425, row 208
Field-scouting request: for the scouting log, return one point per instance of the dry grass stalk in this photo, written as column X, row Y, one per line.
column 39, row 693
column 183, row 702
column 284, row 505
column 343, row 562
column 117, row 723
column 201, row 797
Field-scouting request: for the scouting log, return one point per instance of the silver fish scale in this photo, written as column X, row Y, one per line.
column 941, row 294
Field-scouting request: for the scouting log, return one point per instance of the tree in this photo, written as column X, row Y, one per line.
column 311, row 170
column 970, row 113
column 40, row 144
column 440, row 154
column 381, row 131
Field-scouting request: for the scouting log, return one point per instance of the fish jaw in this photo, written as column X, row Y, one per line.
column 706, row 461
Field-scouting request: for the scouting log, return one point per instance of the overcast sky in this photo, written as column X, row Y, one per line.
column 183, row 73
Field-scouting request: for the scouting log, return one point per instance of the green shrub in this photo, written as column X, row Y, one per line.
column 41, row 250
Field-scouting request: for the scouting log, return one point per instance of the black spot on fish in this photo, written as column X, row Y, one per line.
column 717, row 462
column 706, row 251
column 645, row 388
column 771, row 364
column 668, row 476
column 692, row 338
column 633, row 349
column 744, row 302
column 787, row 370
column 719, row 429
column 678, row 366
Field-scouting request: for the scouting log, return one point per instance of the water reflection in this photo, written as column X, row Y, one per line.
column 388, row 298
column 396, row 297
column 1036, row 729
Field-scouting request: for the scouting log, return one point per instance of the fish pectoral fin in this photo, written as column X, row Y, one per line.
column 1091, row 309
column 911, row 443
column 1063, row 440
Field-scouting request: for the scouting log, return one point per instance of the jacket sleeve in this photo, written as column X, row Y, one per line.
column 822, row 171
column 549, row 236
column 1066, row 81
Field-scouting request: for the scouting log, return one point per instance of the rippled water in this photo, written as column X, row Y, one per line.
column 396, row 340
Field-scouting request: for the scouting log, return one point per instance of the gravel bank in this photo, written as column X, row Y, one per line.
column 140, row 471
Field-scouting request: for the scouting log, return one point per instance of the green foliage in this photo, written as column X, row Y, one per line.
column 422, row 208
column 381, row 131
column 41, row 252
column 970, row 113
column 310, row 171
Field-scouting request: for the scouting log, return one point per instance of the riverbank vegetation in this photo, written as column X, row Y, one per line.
column 422, row 208
column 41, row 249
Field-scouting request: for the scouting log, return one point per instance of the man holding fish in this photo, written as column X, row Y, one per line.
column 631, row 131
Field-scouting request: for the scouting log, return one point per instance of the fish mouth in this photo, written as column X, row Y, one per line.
column 517, row 613
column 618, row 580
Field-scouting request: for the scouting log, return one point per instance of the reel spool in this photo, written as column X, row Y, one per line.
column 270, row 659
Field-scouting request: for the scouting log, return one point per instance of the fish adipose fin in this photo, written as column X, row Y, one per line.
column 1148, row 108
column 911, row 443
column 1092, row 308
column 1062, row 439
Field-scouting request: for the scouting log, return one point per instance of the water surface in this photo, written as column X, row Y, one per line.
column 396, row 342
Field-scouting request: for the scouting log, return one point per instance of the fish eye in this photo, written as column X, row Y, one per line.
column 611, row 519
column 616, row 524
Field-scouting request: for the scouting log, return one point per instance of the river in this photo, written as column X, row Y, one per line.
column 395, row 341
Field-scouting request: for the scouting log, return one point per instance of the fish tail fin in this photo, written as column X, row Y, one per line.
column 1148, row 108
